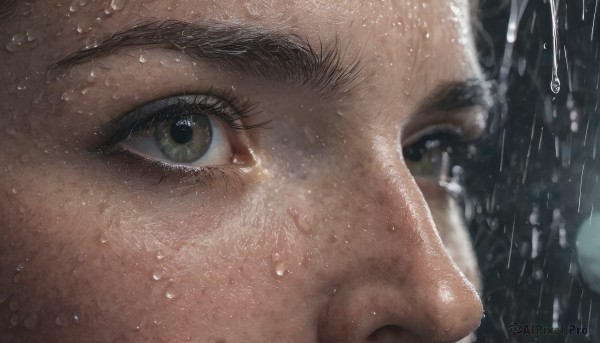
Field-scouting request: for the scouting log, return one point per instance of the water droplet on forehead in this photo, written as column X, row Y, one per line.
column 143, row 59
column 117, row 5
column 279, row 269
column 75, row 6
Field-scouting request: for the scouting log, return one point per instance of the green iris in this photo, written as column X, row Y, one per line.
column 184, row 139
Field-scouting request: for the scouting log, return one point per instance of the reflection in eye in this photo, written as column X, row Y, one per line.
column 189, row 131
column 429, row 157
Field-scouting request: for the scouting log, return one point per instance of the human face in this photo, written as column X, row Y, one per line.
column 311, row 227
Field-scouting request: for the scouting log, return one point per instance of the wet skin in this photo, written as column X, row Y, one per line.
column 318, row 232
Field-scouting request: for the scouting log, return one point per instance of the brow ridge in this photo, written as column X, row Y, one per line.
column 252, row 50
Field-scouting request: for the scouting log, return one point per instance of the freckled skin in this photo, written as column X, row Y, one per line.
column 302, row 252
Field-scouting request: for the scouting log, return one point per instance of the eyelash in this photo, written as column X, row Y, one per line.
column 225, row 107
column 447, row 138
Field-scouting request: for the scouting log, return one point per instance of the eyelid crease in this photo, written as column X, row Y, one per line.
column 143, row 116
column 462, row 134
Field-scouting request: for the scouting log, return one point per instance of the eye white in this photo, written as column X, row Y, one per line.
column 218, row 153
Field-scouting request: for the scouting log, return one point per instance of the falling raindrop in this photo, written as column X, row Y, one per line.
column 555, row 82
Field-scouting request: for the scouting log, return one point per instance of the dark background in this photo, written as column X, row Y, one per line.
column 527, row 174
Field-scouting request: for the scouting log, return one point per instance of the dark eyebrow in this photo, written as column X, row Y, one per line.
column 456, row 95
column 255, row 51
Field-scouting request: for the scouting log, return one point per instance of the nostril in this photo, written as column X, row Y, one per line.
column 388, row 333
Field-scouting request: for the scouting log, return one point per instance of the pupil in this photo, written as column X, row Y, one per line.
column 182, row 131
column 414, row 154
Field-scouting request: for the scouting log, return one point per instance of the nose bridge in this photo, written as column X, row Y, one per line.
column 407, row 274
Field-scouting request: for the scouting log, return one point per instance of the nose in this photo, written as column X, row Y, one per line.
column 402, row 285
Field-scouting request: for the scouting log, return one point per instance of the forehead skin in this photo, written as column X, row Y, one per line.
column 91, row 234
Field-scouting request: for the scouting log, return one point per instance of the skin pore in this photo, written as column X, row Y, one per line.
column 309, row 227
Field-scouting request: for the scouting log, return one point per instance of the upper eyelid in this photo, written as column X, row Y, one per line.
column 122, row 126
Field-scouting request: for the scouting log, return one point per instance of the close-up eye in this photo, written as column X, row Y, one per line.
column 429, row 155
column 189, row 131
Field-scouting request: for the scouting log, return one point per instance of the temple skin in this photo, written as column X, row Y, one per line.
column 330, row 238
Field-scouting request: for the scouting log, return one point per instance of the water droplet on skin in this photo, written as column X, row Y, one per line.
column 62, row 320
column 31, row 321
column 74, row 7
column 13, row 306
column 76, row 318
column 14, row 319
column 143, row 59
column 297, row 220
column 392, row 228
column 160, row 256
column 158, row 275
column 169, row 294
column 15, row 42
column 279, row 269
column 103, row 238
column 38, row 98
column 117, row 5
column 30, row 36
